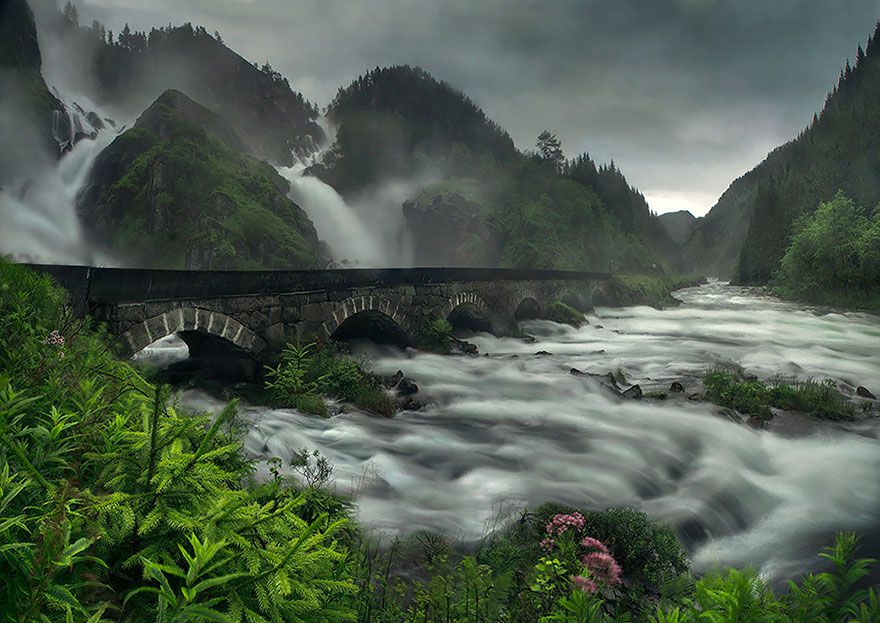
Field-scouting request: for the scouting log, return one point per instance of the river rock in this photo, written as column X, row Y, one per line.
column 676, row 387
column 528, row 339
column 756, row 422
column 464, row 347
column 634, row 393
column 543, row 353
column 864, row 392
column 393, row 380
column 411, row 404
column 406, row 387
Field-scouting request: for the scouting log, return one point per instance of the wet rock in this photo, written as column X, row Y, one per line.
column 464, row 347
column 393, row 380
column 696, row 396
column 864, row 392
column 634, row 393
column 576, row 372
column 528, row 339
column 411, row 404
column 543, row 353
column 676, row 388
column 406, row 387
column 756, row 422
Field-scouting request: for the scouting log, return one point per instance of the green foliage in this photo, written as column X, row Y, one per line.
column 105, row 491
column 147, row 184
column 306, row 373
column 834, row 256
column 754, row 397
column 436, row 336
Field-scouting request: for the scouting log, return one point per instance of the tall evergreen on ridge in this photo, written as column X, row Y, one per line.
column 746, row 233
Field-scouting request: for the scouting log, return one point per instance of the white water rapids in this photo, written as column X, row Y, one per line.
column 516, row 429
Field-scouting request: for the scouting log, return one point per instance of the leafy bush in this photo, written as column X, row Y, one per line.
column 436, row 336
column 821, row 399
column 305, row 373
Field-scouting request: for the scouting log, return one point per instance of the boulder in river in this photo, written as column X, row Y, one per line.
column 864, row 392
column 406, row 387
column 676, row 387
column 634, row 392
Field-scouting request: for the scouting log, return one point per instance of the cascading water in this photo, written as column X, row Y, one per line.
column 38, row 218
column 366, row 232
column 516, row 429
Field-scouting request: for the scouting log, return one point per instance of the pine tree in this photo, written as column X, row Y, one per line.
column 550, row 148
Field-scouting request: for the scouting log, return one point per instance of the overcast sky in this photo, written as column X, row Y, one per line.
column 684, row 95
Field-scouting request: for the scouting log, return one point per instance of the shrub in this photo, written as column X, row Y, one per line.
column 305, row 373
column 436, row 336
column 820, row 399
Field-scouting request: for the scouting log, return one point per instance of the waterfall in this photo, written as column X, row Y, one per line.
column 366, row 231
column 38, row 218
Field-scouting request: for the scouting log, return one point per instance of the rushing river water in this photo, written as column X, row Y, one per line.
column 515, row 428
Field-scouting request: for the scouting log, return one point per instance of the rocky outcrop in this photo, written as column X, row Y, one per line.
column 449, row 229
column 178, row 191
column 22, row 83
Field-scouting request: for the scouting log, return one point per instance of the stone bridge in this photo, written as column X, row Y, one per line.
column 260, row 311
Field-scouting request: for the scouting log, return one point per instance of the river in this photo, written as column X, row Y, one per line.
column 516, row 428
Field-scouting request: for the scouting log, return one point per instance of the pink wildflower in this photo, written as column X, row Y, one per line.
column 547, row 544
column 594, row 544
column 584, row 584
column 54, row 339
column 561, row 523
column 603, row 567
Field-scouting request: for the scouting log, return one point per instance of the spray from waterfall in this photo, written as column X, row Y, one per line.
column 38, row 205
column 368, row 230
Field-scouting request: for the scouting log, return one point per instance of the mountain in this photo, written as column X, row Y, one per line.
column 679, row 225
column 130, row 70
column 746, row 233
column 177, row 191
column 394, row 122
column 478, row 200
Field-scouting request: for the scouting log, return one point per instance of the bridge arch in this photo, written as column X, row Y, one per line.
column 373, row 317
column 468, row 311
column 195, row 319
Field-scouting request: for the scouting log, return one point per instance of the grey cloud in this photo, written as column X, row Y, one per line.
column 684, row 95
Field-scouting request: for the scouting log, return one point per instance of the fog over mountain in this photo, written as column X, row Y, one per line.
column 684, row 95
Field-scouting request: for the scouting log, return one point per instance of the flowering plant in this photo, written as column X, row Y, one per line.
column 585, row 561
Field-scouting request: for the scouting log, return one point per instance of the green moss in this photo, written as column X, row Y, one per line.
column 557, row 311
column 653, row 290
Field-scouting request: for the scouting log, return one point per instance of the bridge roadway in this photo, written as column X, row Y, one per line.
column 259, row 311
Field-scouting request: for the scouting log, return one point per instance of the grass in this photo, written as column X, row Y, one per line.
column 821, row 399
